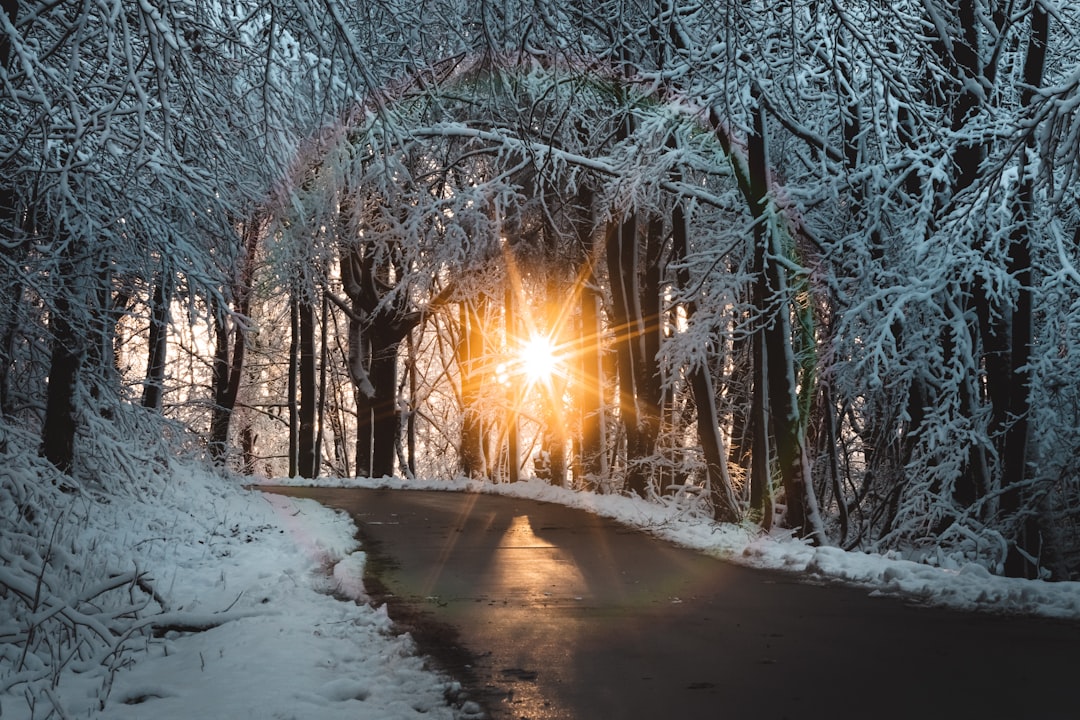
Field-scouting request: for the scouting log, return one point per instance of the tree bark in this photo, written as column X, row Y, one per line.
column 293, row 386
column 157, row 343
column 510, row 329
column 227, row 370
column 363, row 392
column 225, row 381
column 410, row 423
column 591, row 388
column 725, row 505
column 469, row 355
column 377, row 326
column 15, row 216
column 384, row 412
column 775, row 405
column 621, row 250
column 65, row 362
column 1016, row 437
column 306, row 465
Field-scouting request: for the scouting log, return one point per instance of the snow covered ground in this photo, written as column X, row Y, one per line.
column 276, row 577
column 293, row 637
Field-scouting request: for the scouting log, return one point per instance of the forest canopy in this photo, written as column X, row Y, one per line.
column 806, row 265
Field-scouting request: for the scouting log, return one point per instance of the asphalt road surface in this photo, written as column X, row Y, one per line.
column 547, row 612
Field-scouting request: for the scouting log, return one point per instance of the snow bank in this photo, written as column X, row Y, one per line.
column 230, row 600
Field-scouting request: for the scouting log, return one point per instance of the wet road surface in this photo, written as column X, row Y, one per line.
column 546, row 612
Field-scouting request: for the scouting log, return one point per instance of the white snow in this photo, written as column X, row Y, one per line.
column 303, row 640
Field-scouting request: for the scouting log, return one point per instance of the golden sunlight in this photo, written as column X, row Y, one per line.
column 538, row 359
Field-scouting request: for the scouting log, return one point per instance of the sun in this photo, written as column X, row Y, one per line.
column 538, row 359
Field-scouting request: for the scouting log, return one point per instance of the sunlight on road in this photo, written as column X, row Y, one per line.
column 438, row 568
column 535, row 570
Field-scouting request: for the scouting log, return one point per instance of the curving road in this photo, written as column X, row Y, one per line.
column 546, row 612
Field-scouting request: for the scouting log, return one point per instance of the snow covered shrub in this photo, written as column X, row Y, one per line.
column 71, row 599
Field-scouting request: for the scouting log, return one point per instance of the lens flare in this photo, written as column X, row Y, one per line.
column 538, row 359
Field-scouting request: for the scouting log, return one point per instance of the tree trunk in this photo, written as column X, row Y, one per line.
column 376, row 328
column 293, row 390
column 513, row 451
column 1016, row 440
column 593, row 453
column 324, row 356
column 725, row 505
column 776, row 405
column 157, row 344
column 68, row 352
column 635, row 316
column 410, row 423
column 740, row 393
column 621, row 251
column 13, row 215
column 227, row 371
column 384, row 412
column 780, row 363
column 761, row 497
column 225, row 380
column 469, row 355
column 363, row 393
column 307, row 394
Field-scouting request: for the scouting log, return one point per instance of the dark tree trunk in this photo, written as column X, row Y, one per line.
column 780, row 362
column 324, row 353
column 410, row 423
column 591, row 386
column 65, row 363
column 635, row 292
column 378, row 425
column 1016, row 440
column 775, row 401
column 11, row 288
column 725, row 506
column 293, row 387
column 7, row 348
column 761, row 495
column 376, row 329
column 228, row 368
column 648, row 382
column 769, row 305
column 307, row 395
column 360, row 367
column 513, row 451
column 68, row 353
column 384, row 413
column 248, row 439
column 158, row 342
column 591, row 465
column 740, row 391
column 621, row 250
